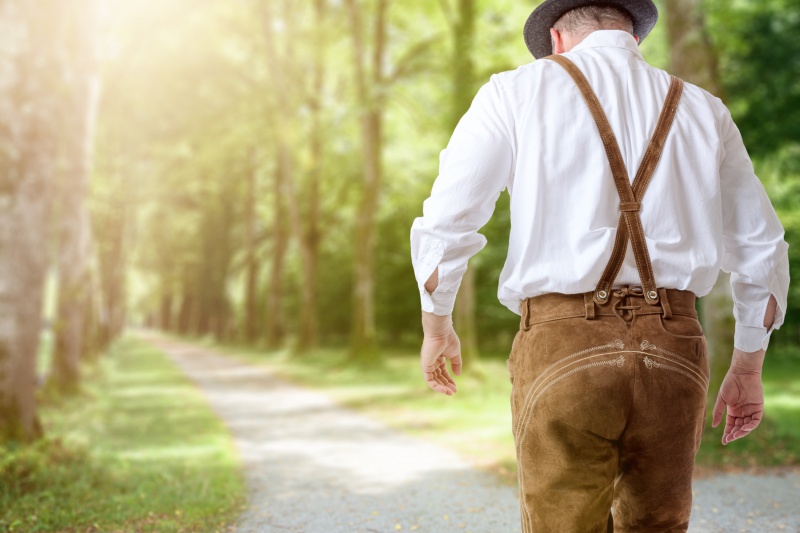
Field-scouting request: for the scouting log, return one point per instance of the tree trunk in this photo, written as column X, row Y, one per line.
column 463, row 91
column 364, row 341
column 91, row 322
column 27, row 164
column 310, row 237
column 186, row 312
column 165, row 312
column 251, row 267
column 304, row 226
column 112, row 272
column 75, row 243
column 693, row 58
column 280, row 241
column 368, row 86
column 692, row 55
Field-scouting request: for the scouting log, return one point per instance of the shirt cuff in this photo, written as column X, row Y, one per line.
column 751, row 338
column 439, row 303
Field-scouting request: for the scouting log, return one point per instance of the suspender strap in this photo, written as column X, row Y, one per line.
column 630, row 223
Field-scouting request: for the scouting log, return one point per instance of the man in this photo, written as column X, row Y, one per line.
column 609, row 369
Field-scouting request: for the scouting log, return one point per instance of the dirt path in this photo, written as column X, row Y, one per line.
column 313, row 466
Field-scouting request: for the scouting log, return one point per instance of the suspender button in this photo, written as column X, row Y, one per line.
column 653, row 295
column 602, row 295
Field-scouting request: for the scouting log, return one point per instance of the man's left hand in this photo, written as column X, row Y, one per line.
column 440, row 343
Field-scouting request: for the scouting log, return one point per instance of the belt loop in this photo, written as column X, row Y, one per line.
column 665, row 303
column 588, row 302
column 525, row 311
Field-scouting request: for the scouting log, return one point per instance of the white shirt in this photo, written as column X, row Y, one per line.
column 530, row 131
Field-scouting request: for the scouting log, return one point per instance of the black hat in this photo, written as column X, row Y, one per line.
column 537, row 29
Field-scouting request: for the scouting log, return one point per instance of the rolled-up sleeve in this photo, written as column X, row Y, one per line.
column 474, row 168
column 755, row 252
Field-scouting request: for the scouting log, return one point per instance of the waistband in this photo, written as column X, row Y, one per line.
column 555, row 305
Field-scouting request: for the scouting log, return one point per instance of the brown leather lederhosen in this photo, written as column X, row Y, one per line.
column 609, row 412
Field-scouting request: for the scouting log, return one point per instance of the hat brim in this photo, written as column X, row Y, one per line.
column 537, row 27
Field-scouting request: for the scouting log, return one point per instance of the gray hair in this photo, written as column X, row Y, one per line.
column 581, row 21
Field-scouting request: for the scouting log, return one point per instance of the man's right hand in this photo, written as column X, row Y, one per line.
column 440, row 344
column 743, row 394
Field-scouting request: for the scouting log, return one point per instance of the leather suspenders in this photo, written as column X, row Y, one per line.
column 630, row 223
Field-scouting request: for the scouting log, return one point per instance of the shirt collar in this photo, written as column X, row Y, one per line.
column 612, row 38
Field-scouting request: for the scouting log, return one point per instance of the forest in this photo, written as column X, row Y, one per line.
column 246, row 172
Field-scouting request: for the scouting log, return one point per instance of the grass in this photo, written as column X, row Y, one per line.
column 138, row 450
column 476, row 421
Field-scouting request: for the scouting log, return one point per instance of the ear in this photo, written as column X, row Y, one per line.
column 558, row 42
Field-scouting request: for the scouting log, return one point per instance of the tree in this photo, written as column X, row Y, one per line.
column 280, row 241
column 692, row 55
column 75, row 242
column 301, row 197
column 370, row 85
column 28, row 142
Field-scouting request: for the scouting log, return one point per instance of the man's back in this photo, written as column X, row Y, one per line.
column 530, row 130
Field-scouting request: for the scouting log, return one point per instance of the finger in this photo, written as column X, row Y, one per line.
column 728, row 427
column 430, row 377
column 753, row 423
column 750, row 426
column 444, row 390
column 719, row 409
column 446, row 374
column 738, row 435
column 455, row 357
column 726, row 431
column 450, row 382
column 447, row 382
column 441, row 380
column 455, row 364
column 733, row 429
column 438, row 387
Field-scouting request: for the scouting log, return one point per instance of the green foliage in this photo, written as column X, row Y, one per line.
column 190, row 113
column 139, row 450
column 759, row 65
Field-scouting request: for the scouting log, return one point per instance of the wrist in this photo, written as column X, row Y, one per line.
column 747, row 362
column 436, row 325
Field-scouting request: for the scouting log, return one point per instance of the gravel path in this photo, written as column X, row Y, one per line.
column 313, row 466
